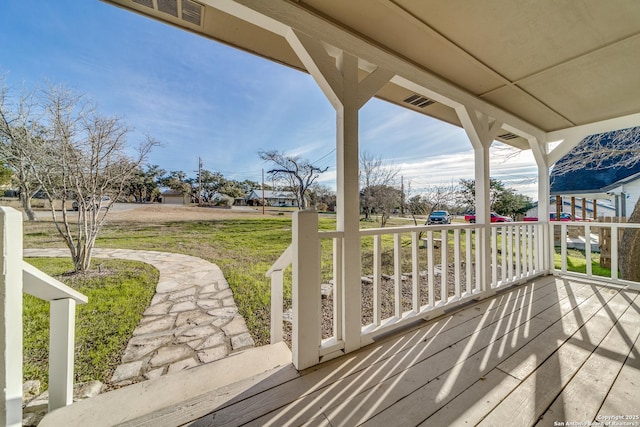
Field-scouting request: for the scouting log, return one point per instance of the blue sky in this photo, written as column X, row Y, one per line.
column 200, row 98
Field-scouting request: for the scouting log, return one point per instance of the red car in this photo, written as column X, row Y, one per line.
column 494, row 218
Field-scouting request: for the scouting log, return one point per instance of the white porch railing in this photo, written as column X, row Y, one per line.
column 587, row 239
column 276, row 273
column 518, row 252
column 408, row 273
column 16, row 277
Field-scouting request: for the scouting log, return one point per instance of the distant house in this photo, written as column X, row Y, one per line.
column 272, row 198
column 173, row 197
column 612, row 185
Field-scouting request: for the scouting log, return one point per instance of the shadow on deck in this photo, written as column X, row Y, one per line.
column 551, row 350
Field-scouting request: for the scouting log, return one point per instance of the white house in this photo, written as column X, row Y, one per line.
column 625, row 193
column 272, row 198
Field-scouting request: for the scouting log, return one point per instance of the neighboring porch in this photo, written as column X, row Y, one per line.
column 552, row 350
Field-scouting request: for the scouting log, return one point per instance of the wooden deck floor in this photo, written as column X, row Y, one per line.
column 549, row 352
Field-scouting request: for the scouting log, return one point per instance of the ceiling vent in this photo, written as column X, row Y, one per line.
column 148, row 3
column 192, row 12
column 508, row 136
column 168, row 6
column 187, row 10
column 419, row 101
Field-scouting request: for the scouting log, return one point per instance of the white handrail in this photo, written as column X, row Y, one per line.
column 277, row 293
column 45, row 287
column 62, row 313
column 16, row 277
column 283, row 261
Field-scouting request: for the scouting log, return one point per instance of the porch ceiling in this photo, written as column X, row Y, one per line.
column 551, row 64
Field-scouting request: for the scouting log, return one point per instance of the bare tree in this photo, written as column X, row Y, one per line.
column 298, row 173
column 21, row 140
column 374, row 174
column 440, row 196
column 602, row 151
column 322, row 197
column 86, row 164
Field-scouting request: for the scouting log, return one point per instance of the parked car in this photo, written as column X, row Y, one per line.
column 439, row 217
column 494, row 218
column 103, row 203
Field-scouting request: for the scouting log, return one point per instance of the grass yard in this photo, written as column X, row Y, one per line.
column 118, row 295
column 577, row 262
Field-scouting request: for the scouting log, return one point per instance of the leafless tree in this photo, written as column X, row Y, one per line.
column 622, row 149
column 298, row 173
column 598, row 151
column 21, row 140
column 435, row 197
column 86, row 163
column 385, row 200
column 374, row 174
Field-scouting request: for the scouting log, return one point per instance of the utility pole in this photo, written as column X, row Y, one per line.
column 402, row 201
column 262, row 191
column 199, row 181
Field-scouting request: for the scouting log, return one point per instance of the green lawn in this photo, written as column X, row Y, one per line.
column 577, row 262
column 117, row 297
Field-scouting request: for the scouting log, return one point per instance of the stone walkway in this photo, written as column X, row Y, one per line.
column 192, row 319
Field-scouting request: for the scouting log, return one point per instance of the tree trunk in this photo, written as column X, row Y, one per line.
column 82, row 258
column 302, row 204
column 26, row 205
column 629, row 253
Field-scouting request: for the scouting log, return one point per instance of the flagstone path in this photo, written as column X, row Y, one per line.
column 192, row 319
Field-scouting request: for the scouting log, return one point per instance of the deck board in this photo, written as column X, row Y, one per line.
column 624, row 395
column 424, row 363
column 354, row 372
column 597, row 374
column 524, row 354
column 546, row 381
column 462, row 376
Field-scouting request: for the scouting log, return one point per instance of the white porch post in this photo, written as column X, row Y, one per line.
column 11, row 315
column 61, row 352
column 481, row 132
column 348, row 202
column 340, row 81
column 305, row 292
column 539, row 150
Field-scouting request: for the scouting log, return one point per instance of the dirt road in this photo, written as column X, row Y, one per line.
column 131, row 212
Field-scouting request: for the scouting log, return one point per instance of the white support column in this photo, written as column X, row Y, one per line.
column 481, row 132
column 348, row 202
column 305, row 292
column 61, row 345
column 11, row 315
column 339, row 79
column 483, row 211
column 539, row 149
